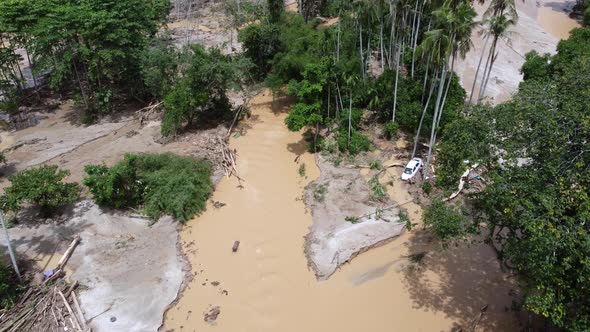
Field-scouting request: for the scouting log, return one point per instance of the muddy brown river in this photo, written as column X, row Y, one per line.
column 267, row 285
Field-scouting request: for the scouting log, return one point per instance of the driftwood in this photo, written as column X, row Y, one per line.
column 383, row 166
column 45, row 307
column 238, row 112
column 461, row 183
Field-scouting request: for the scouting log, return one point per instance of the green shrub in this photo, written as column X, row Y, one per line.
column 159, row 183
column 390, row 130
column 535, row 66
column 358, row 142
column 302, row 170
column 10, row 288
column 378, row 191
column 319, row 193
column 427, row 187
column 40, row 186
column 444, row 221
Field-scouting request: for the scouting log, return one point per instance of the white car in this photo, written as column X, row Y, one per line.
column 412, row 169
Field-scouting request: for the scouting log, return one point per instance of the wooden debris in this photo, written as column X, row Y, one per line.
column 235, row 246
column 211, row 316
column 45, row 307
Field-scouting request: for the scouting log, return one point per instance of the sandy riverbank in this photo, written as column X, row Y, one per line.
column 540, row 26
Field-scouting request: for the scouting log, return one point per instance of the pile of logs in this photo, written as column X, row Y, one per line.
column 216, row 149
column 49, row 306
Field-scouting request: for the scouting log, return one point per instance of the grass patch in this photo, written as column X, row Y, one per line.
column 378, row 191
column 353, row 219
column 161, row 184
column 319, row 192
column 10, row 288
column 302, row 170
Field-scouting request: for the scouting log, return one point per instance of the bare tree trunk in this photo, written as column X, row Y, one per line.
column 338, row 40
column 449, row 80
column 381, row 43
column 361, row 50
column 426, row 77
column 422, row 117
column 396, row 81
column 485, row 86
column 485, row 71
column 441, row 85
column 368, row 56
column 478, row 67
column 349, row 120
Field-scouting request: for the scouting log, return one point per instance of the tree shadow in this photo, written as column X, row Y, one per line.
column 305, row 144
column 282, row 104
column 36, row 239
column 462, row 282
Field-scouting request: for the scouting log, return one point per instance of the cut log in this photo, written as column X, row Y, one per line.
column 64, row 259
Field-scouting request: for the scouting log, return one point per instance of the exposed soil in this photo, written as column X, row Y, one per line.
column 126, row 269
column 338, row 194
column 537, row 29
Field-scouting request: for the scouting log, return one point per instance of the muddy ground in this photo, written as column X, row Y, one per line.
column 128, row 271
column 342, row 193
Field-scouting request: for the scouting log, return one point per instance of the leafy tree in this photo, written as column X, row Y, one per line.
column 42, row 186
column 92, row 46
column 444, row 221
column 159, row 67
column 535, row 66
column 275, row 10
column 160, row 183
column 201, row 92
column 261, row 43
column 309, row 92
column 535, row 206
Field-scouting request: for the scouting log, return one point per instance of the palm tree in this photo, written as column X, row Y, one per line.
column 498, row 17
column 498, row 28
column 451, row 39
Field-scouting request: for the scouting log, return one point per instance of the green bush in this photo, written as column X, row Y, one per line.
column 535, row 66
column 427, row 187
column 159, row 183
column 40, row 186
column 444, row 221
column 358, row 142
column 10, row 288
column 390, row 130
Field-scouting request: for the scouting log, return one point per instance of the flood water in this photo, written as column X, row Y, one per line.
column 267, row 286
column 553, row 16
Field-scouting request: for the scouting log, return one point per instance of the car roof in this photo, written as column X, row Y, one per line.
column 412, row 163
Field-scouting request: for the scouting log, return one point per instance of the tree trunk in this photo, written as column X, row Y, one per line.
column 381, row 43
column 396, row 80
column 349, row 120
column 494, row 57
column 338, row 40
column 361, row 50
column 422, row 118
column 441, row 85
column 426, row 77
column 478, row 67
column 485, row 71
column 414, row 31
column 449, row 81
